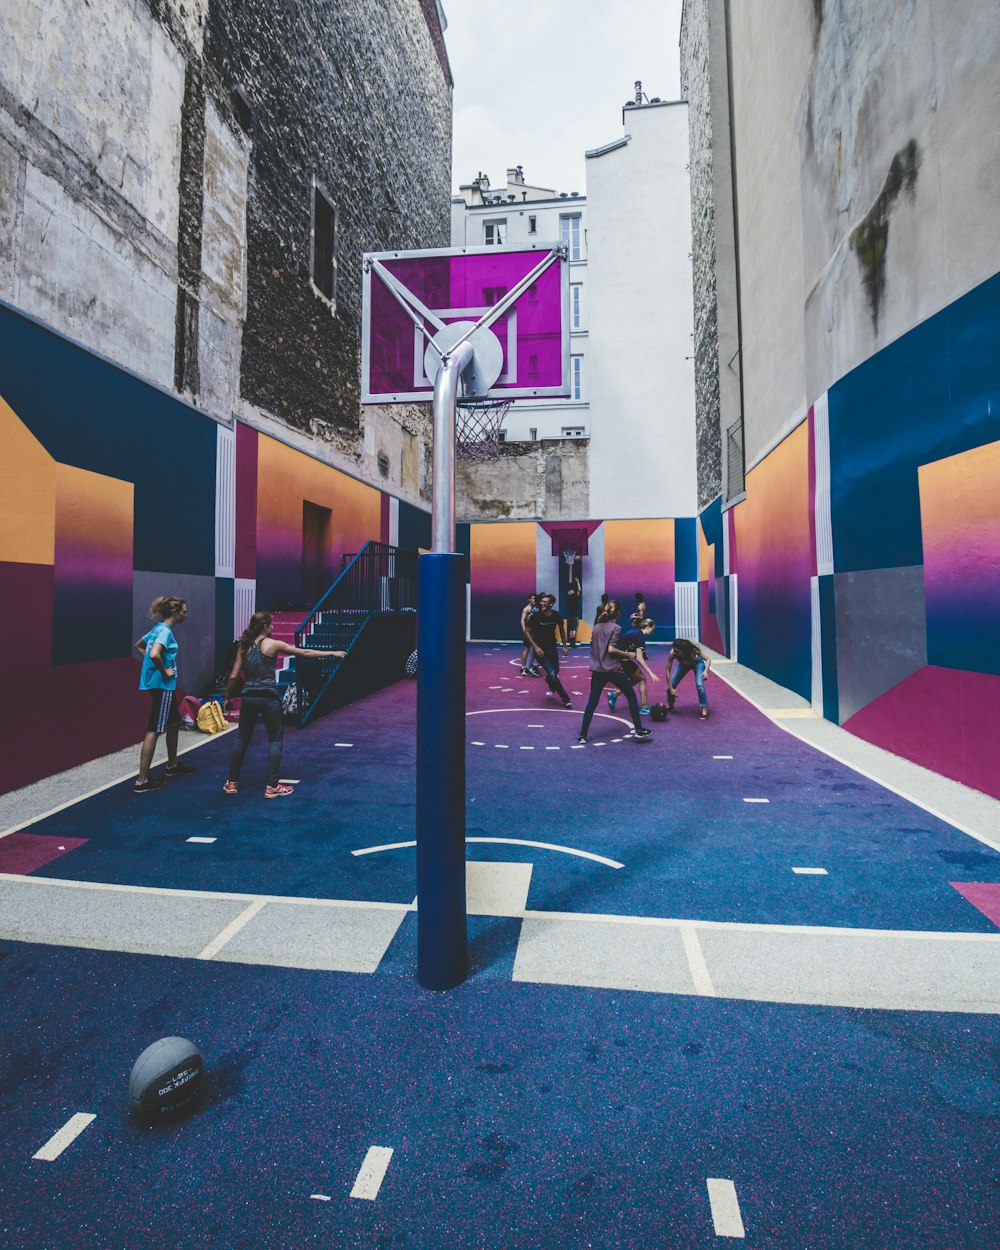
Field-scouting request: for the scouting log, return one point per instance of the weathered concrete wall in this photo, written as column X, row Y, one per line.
column 900, row 176
column 546, row 480
column 144, row 213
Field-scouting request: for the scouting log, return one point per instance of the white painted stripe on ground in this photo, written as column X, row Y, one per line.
column 231, row 929
column 320, row 1197
column 542, row 846
column 600, row 744
column 552, row 748
column 993, row 842
column 536, row 726
column 68, row 1134
column 811, row 872
column 578, row 746
column 164, row 891
column 527, row 748
column 501, row 746
column 108, row 785
column 722, row 757
column 343, row 744
column 479, row 744
column 289, row 781
column 725, row 1208
column 756, row 800
column 696, row 961
column 496, row 687
column 372, row 1173
column 205, row 840
column 506, row 689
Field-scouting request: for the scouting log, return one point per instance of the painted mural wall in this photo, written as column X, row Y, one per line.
column 656, row 557
column 113, row 492
column 862, row 570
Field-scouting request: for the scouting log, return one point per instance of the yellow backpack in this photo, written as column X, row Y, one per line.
column 210, row 719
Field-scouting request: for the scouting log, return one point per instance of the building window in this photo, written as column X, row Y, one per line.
column 532, row 225
column 324, row 244
column 503, row 436
column 495, row 232
column 533, row 433
column 573, row 431
column 492, row 295
column 569, row 233
column 383, row 464
column 576, row 306
column 577, row 382
column 242, row 110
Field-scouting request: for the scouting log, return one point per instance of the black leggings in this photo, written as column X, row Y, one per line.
column 597, row 683
column 268, row 708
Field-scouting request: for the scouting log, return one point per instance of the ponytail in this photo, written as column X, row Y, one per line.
column 258, row 624
column 166, row 605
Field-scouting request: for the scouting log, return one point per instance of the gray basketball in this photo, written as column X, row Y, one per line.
column 165, row 1077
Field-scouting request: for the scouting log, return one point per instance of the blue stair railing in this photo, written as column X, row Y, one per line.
column 380, row 579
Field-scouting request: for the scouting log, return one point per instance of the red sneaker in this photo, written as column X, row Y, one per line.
column 277, row 792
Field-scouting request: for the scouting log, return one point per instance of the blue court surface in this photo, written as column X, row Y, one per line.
column 576, row 1091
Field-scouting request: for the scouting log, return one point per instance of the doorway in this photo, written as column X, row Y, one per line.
column 316, row 571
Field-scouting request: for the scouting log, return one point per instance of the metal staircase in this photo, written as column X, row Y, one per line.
column 379, row 582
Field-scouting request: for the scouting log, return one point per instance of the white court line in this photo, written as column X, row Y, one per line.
column 320, row 1197
column 549, row 711
column 725, row 1208
column 68, row 1134
column 501, row 746
column 600, row 744
column 496, row 687
column 372, row 1173
column 478, row 744
column 756, row 800
column 696, row 961
column 527, row 748
column 542, row 846
column 205, row 840
column 231, row 929
column 506, row 689
column 536, row 726
column 343, row 744
column 787, row 728
column 578, row 746
column 108, row 785
column 552, row 748
column 722, row 757
column 289, row 781
column 811, row 872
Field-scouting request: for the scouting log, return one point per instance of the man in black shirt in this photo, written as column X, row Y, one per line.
column 541, row 631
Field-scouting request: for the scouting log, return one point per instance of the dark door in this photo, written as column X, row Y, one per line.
column 316, row 572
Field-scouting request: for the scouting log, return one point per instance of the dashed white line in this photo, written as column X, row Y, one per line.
column 372, row 1173
column 725, row 1208
column 343, row 744
column 756, row 800
column 496, row 687
column 552, row 748
column 507, row 689
column 320, row 1197
column 206, row 840
column 479, row 744
column 811, row 872
column 501, row 746
column 65, row 1136
column 536, row 726
column 600, row 744
column 722, row 757
column 697, row 966
column 578, row 746
column 527, row 748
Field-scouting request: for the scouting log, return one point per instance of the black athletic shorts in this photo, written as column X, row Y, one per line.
column 163, row 713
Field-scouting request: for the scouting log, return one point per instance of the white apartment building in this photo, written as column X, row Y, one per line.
column 521, row 213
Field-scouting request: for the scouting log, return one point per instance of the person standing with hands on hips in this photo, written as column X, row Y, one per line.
column 158, row 649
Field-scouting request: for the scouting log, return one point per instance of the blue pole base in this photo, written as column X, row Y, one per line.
column 442, row 939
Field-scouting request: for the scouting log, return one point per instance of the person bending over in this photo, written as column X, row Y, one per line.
column 636, row 667
column 686, row 657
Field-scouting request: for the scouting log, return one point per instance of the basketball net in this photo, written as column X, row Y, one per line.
column 569, row 555
column 477, row 429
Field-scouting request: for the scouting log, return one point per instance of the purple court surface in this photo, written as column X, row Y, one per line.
column 611, row 1074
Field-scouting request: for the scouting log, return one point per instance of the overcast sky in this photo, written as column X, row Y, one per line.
column 539, row 82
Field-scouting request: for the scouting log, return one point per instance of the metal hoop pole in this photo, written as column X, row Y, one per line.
column 442, row 935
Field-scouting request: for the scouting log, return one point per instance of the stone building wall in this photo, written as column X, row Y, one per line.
column 157, row 160
column 696, row 89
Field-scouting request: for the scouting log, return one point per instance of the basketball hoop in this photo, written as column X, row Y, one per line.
column 570, row 556
column 477, row 429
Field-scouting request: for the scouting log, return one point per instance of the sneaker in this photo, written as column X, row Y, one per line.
column 144, row 787
column 612, row 699
column 582, row 740
column 566, row 703
column 531, row 672
column 704, row 713
column 644, row 711
column 277, row 792
column 642, row 733
column 230, row 788
column 179, row 770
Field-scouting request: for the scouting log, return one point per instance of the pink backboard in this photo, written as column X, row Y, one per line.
column 462, row 284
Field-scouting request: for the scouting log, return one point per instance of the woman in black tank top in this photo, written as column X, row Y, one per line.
column 257, row 659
